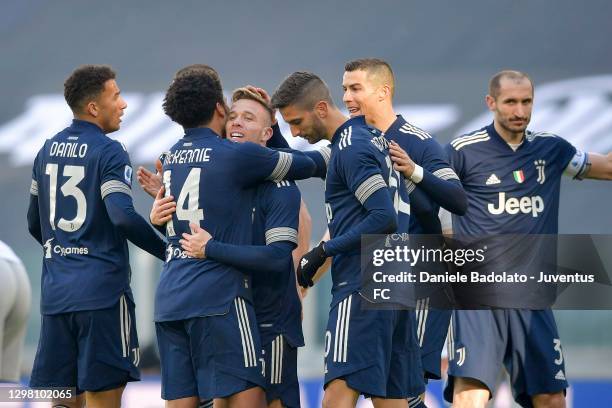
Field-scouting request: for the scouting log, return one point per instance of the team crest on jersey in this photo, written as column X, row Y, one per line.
column 519, row 176
column 127, row 174
column 540, row 167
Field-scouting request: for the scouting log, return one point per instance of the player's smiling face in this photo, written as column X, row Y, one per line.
column 304, row 123
column 360, row 93
column 512, row 106
column 248, row 122
column 109, row 106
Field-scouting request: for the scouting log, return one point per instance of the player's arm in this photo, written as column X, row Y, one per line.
column 442, row 186
column 254, row 164
column 33, row 210
column 363, row 177
column 320, row 156
column 304, row 234
column 423, row 209
column 600, row 166
column 281, row 208
column 116, row 191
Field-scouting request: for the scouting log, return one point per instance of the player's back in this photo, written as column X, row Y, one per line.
column 85, row 263
column 212, row 180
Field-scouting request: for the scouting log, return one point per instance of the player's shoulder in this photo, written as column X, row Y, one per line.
column 280, row 191
column 542, row 137
column 402, row 127
column 470, row 140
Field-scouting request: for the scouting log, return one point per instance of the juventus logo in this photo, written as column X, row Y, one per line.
column 540, row 167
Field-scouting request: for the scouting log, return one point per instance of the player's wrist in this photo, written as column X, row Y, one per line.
column 417, row 174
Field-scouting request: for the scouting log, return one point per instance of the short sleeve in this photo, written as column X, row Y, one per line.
column 115, row 170
column 255, row 163
column 434, row 160
column 282, row 209
column 455, row 160
column 35, row 172
column 360, row 169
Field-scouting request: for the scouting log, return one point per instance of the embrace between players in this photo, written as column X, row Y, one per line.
column 227, row 310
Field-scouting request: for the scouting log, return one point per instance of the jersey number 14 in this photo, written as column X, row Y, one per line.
column 190, row 195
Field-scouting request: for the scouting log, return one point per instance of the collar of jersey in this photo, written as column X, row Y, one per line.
column 84, row 126
column 194, row 133
column 500, row 140
column 357, row 121
column 398, row 123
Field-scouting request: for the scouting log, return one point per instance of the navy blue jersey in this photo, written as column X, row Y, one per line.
column 212, row 180
column 425, row 151
column 358, row 167
column 85, row 263
column 277, row 303
column 511, row 192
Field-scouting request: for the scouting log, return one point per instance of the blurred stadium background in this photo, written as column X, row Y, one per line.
column 442, row 51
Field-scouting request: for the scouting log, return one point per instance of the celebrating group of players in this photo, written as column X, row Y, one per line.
column 227, row 309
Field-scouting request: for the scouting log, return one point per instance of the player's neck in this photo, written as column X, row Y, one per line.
column 382, row 119
column 508, row 136
column 87, row 118
column 335, row 120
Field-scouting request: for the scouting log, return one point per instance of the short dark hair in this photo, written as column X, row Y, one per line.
column 495, row 81
column 301, row 88
column 373, row 66
column 192, row 97
column 86, row 83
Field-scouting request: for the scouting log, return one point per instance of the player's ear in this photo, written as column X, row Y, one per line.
column 384, row 92
column 92, row 108
column 321, row 109
column 221, row 111
column 490, row 101
column 266, row 134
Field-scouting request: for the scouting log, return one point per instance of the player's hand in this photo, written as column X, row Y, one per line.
column 194, row 244
column 266, row 97
column 163, row 208
column 401, row 161
column 309, row 264
column 150, row 183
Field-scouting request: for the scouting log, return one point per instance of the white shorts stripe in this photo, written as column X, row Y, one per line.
column 242, row 334
column 337, row 334
column 346, row 329
column 123, row 324
column 249, row 335
column 280, row 360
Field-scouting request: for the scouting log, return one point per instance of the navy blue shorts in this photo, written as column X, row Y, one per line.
column 94, row 350
column 210, row 357
column 526, row 342
column 374, row 351
column 280, row 370
column 432, row 328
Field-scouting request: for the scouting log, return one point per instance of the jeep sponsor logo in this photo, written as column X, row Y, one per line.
column 513, row 205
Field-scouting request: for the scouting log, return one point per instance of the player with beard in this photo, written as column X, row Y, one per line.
column 370, row 352
column 499, row 164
